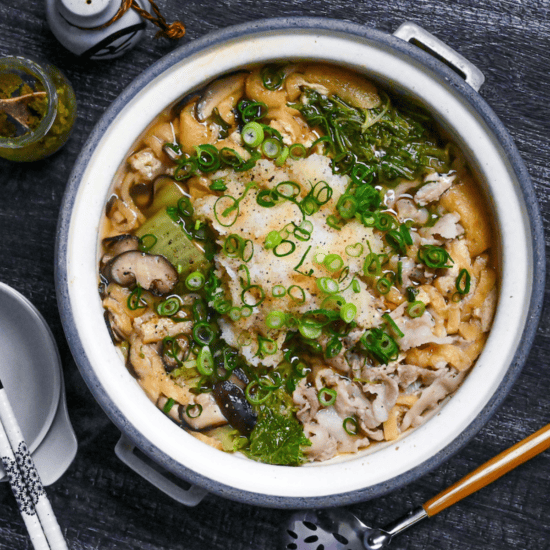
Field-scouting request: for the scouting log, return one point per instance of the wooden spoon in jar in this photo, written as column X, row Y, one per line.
column 337, row 529
column 18, row 109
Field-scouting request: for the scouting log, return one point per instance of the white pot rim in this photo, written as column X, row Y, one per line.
column 471, row 122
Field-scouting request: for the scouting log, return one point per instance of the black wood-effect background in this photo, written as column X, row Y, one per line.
column 101, row 504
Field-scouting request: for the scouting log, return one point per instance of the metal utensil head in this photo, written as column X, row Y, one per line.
column 332, row 529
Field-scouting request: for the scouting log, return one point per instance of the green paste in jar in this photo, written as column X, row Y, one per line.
column 13, row 85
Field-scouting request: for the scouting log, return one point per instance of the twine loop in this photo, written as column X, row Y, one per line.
column 173, row 30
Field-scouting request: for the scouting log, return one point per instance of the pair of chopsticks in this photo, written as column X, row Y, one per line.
column 25, row 482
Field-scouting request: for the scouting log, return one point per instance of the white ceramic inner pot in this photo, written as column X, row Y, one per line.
column 390, row 63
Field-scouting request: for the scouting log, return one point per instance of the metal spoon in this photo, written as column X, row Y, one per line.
column 337, row 529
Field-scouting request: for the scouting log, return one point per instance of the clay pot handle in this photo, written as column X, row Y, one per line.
column 493, row 469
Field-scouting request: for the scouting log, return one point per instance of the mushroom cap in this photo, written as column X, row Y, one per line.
column 152, row 272
column 216, row 92
column 233, row 403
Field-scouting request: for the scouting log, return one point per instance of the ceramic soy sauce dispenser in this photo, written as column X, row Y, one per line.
column 96, row 29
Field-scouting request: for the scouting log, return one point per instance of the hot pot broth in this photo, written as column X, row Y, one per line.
column 296, row 266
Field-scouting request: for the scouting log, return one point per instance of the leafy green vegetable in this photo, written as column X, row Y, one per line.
column 396, row 142
column 277, row 439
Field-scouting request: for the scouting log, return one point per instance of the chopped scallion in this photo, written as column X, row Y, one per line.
column 327, row 397
column 195, row 280
column 348, row 312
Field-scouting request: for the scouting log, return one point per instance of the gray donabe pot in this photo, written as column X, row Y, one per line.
column 518, row 312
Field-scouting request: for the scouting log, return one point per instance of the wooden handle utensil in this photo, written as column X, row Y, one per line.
column 493, row 469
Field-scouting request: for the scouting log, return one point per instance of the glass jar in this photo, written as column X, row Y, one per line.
column 48, row 113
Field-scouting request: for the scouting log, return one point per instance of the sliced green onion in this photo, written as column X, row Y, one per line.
column 396, row 330
column 272, row 148
column 234, row 313
column 319, row 258
column 267, row 198
column 185, row 207
column 168, row 405
column 383, row 285
column 267, row 346
column 333, row 302
column 203, row 333
column 310, row 329
column 281, row 159
column 244, row 283
column 186, row 167
column 297, row 151
column 218, row 185
column 396, row 242
column 258, row 396
column 406, row 234
column 284, row 248
column 351, row 427
column 333, row 348
column 194, row 410
column 354, row 250
column 272, row 76
column 288, row 189
column 272, row 240
column 296, row 268
column 169, row 307
column 411, row 293
column 244, row 339
column 371, row 266
column 252, row 134
column 400, row 272
column 287, row 230
column 369, row 219
column 208, row 158
column 348, row 312
column 147, row 242
column 195, row 280
column 275, row 319
column 327, row 397
column 278, row 291
column 233, row 246
column 309, row 206
column 226, row 210
column 385, row 222
column 434, row 257
column 222, row 306
column 327, row 285
column 322, row 141
column 248, row 250
column 347, row 206
column 254, row 293
column 463, row 282
column 416, row 309
column 333, row 262
column 334, row 222
column 252, row 110
column 297, row 293
column 134, row 300
column 343, row 274
column 205, row 361
column 246, row 311
column 380, row 345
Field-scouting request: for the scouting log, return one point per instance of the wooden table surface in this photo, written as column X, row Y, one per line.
column 99, row 502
